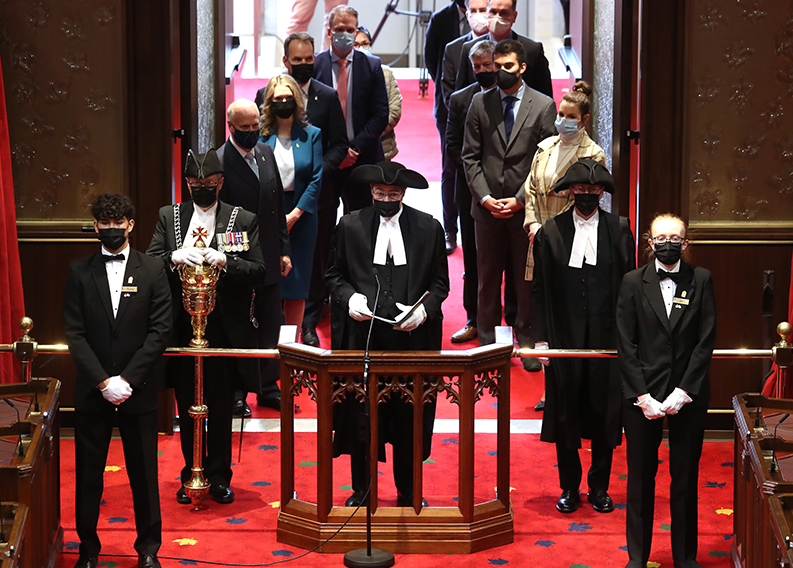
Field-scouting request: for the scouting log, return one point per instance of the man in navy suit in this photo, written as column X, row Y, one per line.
column 445, row 25
column 252, row 181
column 363, row 98
column 117, row 319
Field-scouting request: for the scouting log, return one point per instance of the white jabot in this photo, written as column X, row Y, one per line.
column 205, row 220
column 389, row 240
column 668, row 287
column 115, row 276
column 585, row 242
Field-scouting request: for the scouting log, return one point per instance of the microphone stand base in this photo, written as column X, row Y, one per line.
column 360, row 559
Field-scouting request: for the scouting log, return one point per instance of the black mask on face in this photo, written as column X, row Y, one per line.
column 112, row 239
column 486, row 79
column 302, row 72
column 386, row 209
column 284, row 109
column 247, row 139
column 204, row 197
column 668, row 253
column 506, row 80
column 586, row 203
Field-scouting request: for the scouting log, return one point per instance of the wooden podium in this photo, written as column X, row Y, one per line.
column 32, row 479
column 14, row 521
column 420, row 377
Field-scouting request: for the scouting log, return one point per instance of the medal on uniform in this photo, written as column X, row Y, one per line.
column 245, row 245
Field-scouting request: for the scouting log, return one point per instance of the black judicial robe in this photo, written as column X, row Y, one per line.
column 559, row 317
column 350, row 270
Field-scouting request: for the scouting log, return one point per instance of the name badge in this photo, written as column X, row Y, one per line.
column 233, row 242
column 683, row 301
column 129, row 289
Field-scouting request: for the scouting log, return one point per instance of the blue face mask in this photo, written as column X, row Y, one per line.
column 566, row 127
column 366, row 50
column 343, row 42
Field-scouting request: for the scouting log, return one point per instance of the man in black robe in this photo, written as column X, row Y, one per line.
column 580, row 257
column 404, row 249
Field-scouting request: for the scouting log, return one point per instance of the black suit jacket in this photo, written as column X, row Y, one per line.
column 130, row 344
column 658, row 353
column 263, row 196
column 459, row 103
column 450, row 65
column 369, row 102
column 444, row 27
column 537, row 75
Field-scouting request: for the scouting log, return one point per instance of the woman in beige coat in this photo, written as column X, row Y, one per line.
column 554, row 156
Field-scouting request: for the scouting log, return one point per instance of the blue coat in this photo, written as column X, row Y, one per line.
column 307, row 152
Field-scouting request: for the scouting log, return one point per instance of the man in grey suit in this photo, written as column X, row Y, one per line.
column 502, row 130
column 477, row 19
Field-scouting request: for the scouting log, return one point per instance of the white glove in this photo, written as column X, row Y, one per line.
column 215, row 257
column 650, row 407
column 675, row 401
column 117, row 390
column 416, row 318
column 191, row 256
column 541, row 345
column 359, row 308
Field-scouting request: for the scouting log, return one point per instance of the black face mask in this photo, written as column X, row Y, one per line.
column 586, row 203
column 486, row 79
column 204, row 197
column 112, row 239
column 284, row 109
column 302, row 72
column 247, row 139
column 668, row 253
column 386, row 209
column 506, row 80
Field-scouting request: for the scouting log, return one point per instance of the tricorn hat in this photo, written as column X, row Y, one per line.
column 202, row 165
column 588, row 172
column 389, row 173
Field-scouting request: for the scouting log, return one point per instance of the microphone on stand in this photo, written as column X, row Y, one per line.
column 12, row 405
column 774, row 464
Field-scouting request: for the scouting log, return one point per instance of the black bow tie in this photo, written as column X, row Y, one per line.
column 663, row 274
column 111, row 258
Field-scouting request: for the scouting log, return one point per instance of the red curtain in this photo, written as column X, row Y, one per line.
column 12, row 302
column 770, row 383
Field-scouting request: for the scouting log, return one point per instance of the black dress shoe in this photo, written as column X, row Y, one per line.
column 310, row 337
column 241, row 409
column 451, row 242
column 86, row 562
column 148, row 561
column 568, row 502
column 181, row 496
column 355, row 499
column 273, row 402
column 221, row 494
column 407, row 501
column 531, row 364
column 601, row 501
column 540, row 406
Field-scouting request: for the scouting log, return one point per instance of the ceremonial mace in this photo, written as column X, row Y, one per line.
column 199, row 285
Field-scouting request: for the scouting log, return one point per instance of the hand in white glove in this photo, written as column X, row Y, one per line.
column 541, row 345
column 416, row 318
column 650, row 407
column 215, row 257
column 359, row 308
column 191, row 256
column 675, row 401
column 117, row 390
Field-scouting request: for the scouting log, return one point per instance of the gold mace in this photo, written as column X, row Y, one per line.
column 199, row 291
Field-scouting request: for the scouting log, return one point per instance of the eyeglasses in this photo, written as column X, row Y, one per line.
column 380, row 195
column 362, row 44
column 210, row 186
column 661, row 239
column 586, row 188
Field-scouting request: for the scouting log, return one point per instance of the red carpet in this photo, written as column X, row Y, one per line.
column 244, row 531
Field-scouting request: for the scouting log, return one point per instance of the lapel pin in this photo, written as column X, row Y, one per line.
column 130, row 280
column 683, row 295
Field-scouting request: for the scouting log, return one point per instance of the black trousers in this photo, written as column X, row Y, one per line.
column 643, row 436
column 447, row 179
column 270, row 317
column 92, row 432
column 468, row 243
column 570, row 471
column 317, row 293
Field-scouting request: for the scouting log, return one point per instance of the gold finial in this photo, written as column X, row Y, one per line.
column 26, row 325
column 783, row 329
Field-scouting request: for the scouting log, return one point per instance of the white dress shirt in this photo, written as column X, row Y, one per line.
column 115, row 276
column 204, row 220
column 285, row 160
column 585, row 241
column 668, row 287
column 389, row 240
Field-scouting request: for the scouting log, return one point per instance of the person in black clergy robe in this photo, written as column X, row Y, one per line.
column 580, row 257
column 405, row 249
column 117, row 319
column 192, row 233
column 666, row 325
